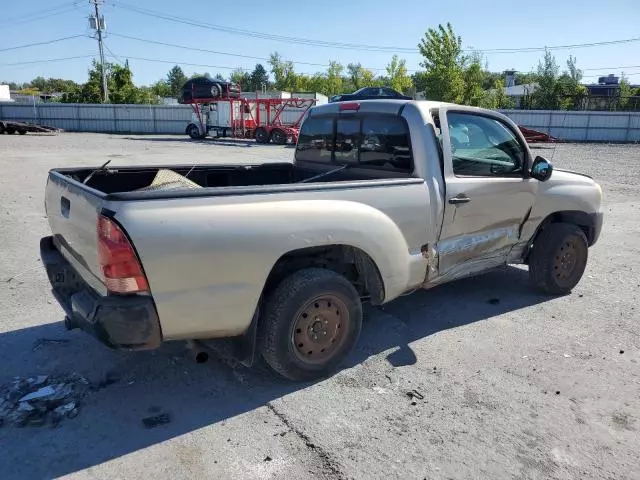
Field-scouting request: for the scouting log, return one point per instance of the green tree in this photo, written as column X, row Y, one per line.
column 624, row 93
column 473, row 81
column 242, row 78
column 546, row 95
column 399, row 80
column 443, row 78
column 283, row 72
column 175, row 80
column 355, row 72
column 120, row 85
column 258, row 79
column 162, row 89
column 334, row 84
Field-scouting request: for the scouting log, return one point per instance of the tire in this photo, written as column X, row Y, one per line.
column 261, row 135
column 194, row 132
column 311, row 322
column 559, row 258
column 215, row 91
column 278, row 137
column 22, row 132
column 11, row 130
column 2, row 129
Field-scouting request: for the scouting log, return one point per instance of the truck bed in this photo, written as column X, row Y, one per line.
column 121, row 180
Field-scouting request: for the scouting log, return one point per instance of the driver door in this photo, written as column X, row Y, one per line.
column 488, row 192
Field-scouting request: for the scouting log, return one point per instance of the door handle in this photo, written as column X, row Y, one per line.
column 459, row 199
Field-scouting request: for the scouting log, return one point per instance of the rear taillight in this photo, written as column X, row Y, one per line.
column 121, row 269
column 349, row 106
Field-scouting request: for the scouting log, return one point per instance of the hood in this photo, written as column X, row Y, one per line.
column 566, row 177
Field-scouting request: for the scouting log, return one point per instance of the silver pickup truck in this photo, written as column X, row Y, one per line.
column 384, row 196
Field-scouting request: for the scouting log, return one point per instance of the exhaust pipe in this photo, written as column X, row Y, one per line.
column 197, row 351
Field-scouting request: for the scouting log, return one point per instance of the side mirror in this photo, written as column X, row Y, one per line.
column 541, row 169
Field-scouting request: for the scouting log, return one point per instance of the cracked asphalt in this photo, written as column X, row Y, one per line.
column 483, row 378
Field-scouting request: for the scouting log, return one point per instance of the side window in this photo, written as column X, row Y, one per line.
column 483, row 147
column 385, row 143
column 347, row 140
column 315, row 141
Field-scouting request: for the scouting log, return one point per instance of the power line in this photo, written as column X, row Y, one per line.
column 187, row 47
column 554, row 47
column 180, row 63
column 113, row 55
column 48, row 42
column 352, row 46
column 610, row 68
column 261, row 35
column 48, row 60
column 39, row 15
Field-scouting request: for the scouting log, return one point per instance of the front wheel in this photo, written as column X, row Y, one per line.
column 312, row 321
column 558, row 258
column 194, row 132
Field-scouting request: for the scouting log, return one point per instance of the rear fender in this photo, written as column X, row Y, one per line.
column 207, row 267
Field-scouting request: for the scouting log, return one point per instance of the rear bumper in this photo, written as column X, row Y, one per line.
column 122, row 322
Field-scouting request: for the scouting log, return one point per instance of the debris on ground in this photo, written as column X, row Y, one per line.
column 41, row 400
column 415, row 394
column 157, row 420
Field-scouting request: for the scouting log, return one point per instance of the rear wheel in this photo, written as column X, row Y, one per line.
column 312, row 321
column 194, row 132
column 11, row 130
column 261, row 135
column 559, row 258
column 278, row 137
column 22, row 132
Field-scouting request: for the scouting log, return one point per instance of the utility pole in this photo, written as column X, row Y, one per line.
column 97, row 23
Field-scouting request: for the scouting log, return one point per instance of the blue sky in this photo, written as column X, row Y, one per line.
column 482, row 25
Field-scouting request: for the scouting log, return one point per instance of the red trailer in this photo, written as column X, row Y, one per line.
column 266, row 120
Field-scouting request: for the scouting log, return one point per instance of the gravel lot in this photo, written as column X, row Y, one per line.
column 530, row 387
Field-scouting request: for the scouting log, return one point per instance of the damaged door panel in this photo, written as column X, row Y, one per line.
column 488, row 195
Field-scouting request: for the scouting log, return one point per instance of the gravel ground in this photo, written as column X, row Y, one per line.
column 527, row 387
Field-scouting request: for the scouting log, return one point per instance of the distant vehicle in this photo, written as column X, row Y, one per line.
column 370, row 93
column 202, row 88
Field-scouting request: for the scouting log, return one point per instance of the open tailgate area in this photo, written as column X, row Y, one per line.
column 72, row 212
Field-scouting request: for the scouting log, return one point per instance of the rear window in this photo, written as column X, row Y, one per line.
column 371, row 141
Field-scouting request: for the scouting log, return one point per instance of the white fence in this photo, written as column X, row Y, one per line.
column 102, row 118
column 580, row 126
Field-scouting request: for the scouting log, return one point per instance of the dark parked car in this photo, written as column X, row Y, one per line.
column 370, row 93
column 203, row 88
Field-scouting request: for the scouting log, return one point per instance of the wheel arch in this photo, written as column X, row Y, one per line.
column 352, row 262
column 586, row 222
